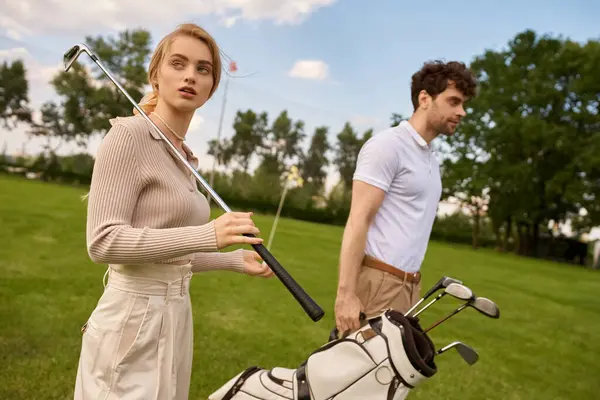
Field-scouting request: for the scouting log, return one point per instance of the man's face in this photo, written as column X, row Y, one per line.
column 446, row 111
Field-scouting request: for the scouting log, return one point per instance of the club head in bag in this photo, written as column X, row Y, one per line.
column 454, row 289
column 467, row 353
column 482, row 304
column 486, row 307
column 442, row 283
column 459, row 291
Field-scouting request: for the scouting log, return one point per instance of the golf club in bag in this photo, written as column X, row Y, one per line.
column 386, row 358
column 308, row 304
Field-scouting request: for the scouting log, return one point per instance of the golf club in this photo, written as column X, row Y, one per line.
column 482, row 304
column 455, row 290
column 442, row 283
column 467, row 353
column 308, row 304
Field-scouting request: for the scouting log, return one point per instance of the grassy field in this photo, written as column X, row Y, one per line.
column 544, row 346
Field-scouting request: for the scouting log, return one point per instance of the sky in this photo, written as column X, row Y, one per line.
column 324, row 61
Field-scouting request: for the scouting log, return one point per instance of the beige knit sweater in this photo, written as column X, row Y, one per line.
column 144, row 206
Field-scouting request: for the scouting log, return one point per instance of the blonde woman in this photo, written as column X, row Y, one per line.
column 148, row 221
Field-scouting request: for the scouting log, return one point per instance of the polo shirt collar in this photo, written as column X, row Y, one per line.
column 415, row 135
column 192, row 159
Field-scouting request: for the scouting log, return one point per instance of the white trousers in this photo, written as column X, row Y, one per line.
column 138, row 341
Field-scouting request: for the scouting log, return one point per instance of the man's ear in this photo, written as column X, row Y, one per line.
column 424, row 99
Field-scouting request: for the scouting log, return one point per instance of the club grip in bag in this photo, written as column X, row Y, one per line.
column 308, row 304
column 434, row 288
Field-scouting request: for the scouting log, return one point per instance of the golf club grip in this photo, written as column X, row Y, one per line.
column 434, row 288
column 308, row 304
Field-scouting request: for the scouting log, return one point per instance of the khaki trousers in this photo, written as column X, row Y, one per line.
column 379, row 290
column 138, row 341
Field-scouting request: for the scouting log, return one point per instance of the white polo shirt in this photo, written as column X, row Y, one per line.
column 400, row 162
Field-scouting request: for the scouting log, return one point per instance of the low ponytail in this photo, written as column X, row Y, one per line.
column 148, row 103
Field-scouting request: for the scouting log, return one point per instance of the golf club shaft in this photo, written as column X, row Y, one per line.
column 438, row 285
column 432, row 290
column 429, row 304
column 417, row 304
column 308, row 304
column 459, row 309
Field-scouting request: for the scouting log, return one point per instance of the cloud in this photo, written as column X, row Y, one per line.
column 229, row 21
column 81, row 17
column 280, row 11
column 310, row 69
column 196, row 122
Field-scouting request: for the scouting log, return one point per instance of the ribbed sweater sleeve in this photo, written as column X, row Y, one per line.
column 115, row 186
column 231, row 261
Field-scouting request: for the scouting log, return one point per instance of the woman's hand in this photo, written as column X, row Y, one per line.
column 253, row 265
column 230, row 228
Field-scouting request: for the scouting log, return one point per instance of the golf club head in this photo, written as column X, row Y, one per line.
column 73, row 53
column 454, row 289
column 440, row 284
column 486, row 307
column 459, row 291
column 448, row 280
column 467, row 353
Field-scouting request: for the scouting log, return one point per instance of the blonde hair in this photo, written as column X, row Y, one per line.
column 149, row 101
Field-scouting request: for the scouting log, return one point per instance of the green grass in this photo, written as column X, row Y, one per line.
column 543, row 347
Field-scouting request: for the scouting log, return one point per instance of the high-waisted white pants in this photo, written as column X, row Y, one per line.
column 138, row 341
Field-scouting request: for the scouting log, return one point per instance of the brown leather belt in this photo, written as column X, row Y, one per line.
column 372, row 262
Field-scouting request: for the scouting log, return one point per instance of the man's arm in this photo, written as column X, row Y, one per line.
column 376, row 168
column 366, row 200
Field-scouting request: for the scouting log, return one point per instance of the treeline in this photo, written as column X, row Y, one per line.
column 527, row 155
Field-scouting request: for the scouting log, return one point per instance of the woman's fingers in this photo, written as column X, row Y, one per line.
column 243, row 229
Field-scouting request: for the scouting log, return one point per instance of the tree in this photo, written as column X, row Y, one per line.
column 314, row 163
column 538, row 104
column 90, row 100
column 250, row 131
column 222, row 150
column 281, row 144
column 53, row 125
column 348, row 148
column 14, row 98
column 396, row 119
column 464, row 170
column 126, row 56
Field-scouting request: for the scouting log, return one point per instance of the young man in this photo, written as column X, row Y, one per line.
column 395, row 195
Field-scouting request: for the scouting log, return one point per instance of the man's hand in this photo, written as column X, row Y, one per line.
column 347, row 311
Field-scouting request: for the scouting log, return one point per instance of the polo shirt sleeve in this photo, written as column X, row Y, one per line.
column 377, row 162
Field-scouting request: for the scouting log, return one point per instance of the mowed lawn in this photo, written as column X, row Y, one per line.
column 544, row 346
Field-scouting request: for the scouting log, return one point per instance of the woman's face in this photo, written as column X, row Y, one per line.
column 185, row 76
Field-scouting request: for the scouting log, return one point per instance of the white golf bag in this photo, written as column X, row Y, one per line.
column 385, row 359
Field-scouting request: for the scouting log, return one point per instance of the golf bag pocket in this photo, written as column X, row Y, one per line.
column 335, row 367
column 257, row 383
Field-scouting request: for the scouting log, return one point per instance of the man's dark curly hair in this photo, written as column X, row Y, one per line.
column 433, row 77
